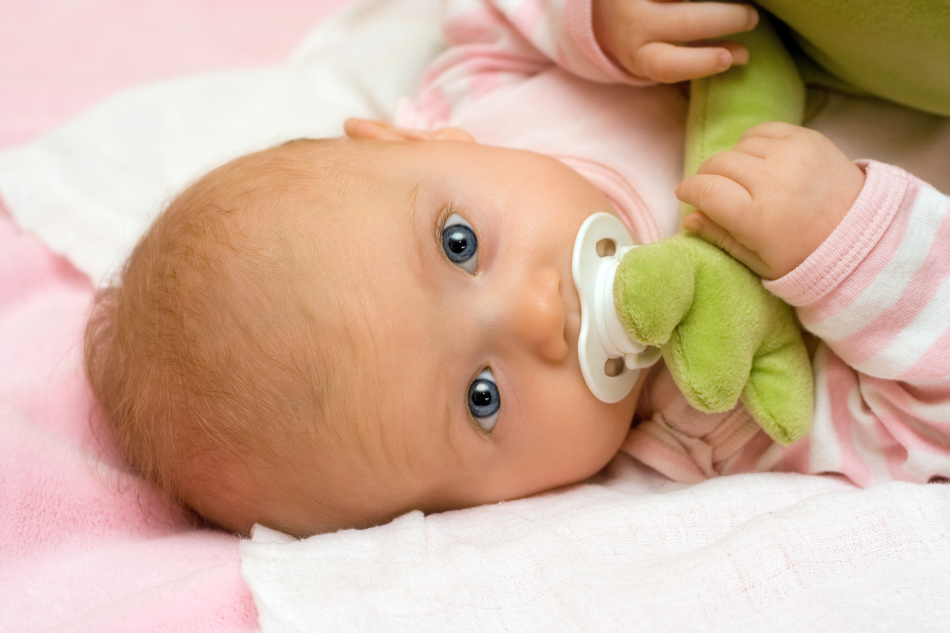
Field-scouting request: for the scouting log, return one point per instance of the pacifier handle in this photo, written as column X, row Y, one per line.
column 601, row 243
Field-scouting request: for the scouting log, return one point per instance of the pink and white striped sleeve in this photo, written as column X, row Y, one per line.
column 496, row 42
column 877, row 293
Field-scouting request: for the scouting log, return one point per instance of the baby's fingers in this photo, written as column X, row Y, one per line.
column 773, row 129
column 737, row 166
column 667, row 63
column 692, row 21
column 721, row 198
column 701, row 225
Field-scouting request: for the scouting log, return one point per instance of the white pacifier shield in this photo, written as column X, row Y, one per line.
column 602, row 336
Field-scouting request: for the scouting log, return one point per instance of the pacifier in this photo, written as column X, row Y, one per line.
column 610, row 361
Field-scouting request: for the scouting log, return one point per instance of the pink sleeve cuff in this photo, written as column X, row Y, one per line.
column 855, row 237
column 579, row 24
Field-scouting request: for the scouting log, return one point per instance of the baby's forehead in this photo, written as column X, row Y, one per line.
column 299, row 158
column 258, row 190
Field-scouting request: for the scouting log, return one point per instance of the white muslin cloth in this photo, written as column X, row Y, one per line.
column 633, row 552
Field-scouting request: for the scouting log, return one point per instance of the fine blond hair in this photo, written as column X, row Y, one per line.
column 200, row 352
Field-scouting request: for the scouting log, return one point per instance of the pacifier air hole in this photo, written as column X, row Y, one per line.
column 606, row 247
column 614, row 367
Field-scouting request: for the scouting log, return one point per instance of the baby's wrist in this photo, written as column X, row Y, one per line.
column 809, row 239
column 852, row 239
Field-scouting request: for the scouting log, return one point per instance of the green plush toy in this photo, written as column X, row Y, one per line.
column 723, row 336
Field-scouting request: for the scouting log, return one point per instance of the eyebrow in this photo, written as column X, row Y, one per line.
column 412, row 200
column 423, row 247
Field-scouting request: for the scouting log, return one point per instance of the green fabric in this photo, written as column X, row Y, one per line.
column 722, row 335
column 895, row 49
column 724, row 106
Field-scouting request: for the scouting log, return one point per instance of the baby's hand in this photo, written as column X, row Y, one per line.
column 644, row 36
column 774, row 198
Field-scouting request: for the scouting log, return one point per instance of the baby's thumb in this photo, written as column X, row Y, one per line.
column 701, row 225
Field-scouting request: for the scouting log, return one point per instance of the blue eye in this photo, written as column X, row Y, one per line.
column 484, row 400
column 460, row 244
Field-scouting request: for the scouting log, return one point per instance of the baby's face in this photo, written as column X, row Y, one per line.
column 452, row 263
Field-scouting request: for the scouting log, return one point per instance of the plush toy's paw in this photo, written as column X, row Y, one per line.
column 723, row 336
column 780, row 392
column 653, row 291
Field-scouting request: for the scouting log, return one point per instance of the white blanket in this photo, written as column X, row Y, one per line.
column 628, row 551
column 775, row 552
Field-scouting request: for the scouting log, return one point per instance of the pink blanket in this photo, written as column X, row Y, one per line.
column 85, row 545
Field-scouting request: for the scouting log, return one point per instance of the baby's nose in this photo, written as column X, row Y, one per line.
column 537, row 315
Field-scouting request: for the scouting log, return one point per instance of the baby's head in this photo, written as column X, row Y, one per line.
column 332, row 332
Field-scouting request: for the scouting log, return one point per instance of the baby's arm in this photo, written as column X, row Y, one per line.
column 666, row 41
column 875, row 290
column 495, row 43
column 774, row 198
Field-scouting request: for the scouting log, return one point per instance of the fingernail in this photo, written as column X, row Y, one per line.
column 753, row 18
column 692, row 224
column 725, row 60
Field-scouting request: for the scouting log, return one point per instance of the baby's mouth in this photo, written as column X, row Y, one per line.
column 609, row 360
column 572, row 314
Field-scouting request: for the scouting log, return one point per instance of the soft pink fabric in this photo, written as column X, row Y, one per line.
column 681, row 442
column 58, row 57
column 84, row 545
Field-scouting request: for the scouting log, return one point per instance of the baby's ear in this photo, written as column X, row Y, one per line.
column 374, row 129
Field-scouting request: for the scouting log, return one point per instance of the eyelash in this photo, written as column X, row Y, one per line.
column 444, row 215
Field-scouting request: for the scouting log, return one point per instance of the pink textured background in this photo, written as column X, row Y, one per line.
column 85, row 545
column 58, row 57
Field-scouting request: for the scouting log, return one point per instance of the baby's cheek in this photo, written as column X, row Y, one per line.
column 618, row 417
column 599, row 433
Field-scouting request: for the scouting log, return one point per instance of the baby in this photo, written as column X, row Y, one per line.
column 332, row 332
